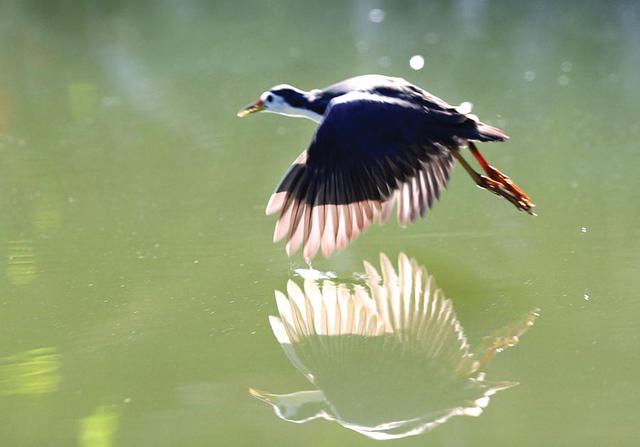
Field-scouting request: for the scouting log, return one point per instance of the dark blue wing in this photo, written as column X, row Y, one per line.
column 369, row 151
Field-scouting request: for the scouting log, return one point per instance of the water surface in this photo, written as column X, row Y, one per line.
column 139, row 272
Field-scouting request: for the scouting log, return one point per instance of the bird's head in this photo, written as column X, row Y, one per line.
column 283, row 99
column 298, row 407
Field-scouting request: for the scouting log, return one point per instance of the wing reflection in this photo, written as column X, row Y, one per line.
column 389, row 359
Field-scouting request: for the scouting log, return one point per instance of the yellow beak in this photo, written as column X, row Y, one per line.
column 264, row 397
column 251, row 108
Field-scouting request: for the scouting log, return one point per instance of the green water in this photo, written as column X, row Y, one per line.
column 138, row 271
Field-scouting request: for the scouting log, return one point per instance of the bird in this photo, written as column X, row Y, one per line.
column 387, row 358
column 381, row 140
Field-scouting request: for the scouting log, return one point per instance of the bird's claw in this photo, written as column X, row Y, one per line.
column 502, row 185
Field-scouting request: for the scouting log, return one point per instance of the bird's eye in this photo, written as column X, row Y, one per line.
column 269, row 98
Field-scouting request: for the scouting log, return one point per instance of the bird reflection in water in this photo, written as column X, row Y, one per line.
column 388, row 359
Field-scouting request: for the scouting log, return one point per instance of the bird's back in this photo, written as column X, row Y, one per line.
column 385, row 86
column 455, row 122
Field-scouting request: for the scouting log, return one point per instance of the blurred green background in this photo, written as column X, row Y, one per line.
column 137, row 264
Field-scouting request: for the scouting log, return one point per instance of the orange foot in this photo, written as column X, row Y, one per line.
column 502, row 185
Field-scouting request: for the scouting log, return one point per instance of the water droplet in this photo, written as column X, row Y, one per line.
column 465, row 107
column 566, row 66
column 586, row 296
column 314, row 275
column 529, row 75
column 563, row 80
column 583, row 229
column 416, row 62
column 376, row 15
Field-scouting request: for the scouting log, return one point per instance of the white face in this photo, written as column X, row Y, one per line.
column 276, row 104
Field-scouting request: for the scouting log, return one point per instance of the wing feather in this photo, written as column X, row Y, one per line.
column 369, row 153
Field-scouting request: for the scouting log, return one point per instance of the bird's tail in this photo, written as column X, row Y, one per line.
column 489, row 133
column 478, row 130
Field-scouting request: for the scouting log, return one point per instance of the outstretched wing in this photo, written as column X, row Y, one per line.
column 369, row 151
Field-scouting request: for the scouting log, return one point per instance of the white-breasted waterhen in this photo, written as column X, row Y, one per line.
column 381, row 140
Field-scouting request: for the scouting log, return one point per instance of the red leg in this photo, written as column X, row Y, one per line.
column 481, row 161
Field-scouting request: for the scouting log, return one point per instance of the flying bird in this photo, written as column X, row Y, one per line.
column 380, row 141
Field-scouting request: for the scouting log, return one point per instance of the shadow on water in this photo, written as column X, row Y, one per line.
column 388, row 359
